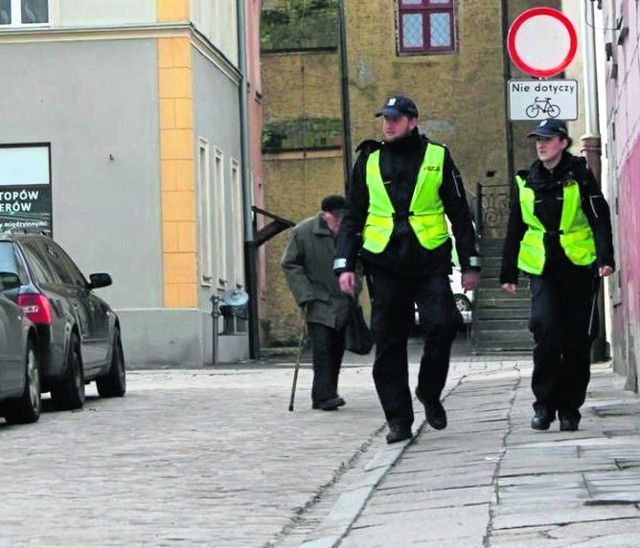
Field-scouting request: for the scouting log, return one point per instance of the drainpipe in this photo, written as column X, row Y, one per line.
column 344, row 93
column 507, row 76
column 591, row 144
column 250, row 250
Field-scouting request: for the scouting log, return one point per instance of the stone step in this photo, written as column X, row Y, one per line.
column 491, row 245
column 487, row 314
column 501, row 350
column 491, row 260
column 502, row 324
column 490, row 291
column 507, row 336
column 490, row 282
column 490, row 272
column 503, row 301
column 500, row 321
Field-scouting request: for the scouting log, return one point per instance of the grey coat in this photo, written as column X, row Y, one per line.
column 307, row 263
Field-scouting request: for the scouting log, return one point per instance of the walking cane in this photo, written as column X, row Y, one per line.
column 303, row 331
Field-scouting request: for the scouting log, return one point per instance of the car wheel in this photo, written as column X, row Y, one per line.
column 27, row 409
column 462, row 302
column 114, row 383
column 68, row 393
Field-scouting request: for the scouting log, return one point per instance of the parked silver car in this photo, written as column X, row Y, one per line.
column 19, row 371
column 464, row 300
column 78, row 334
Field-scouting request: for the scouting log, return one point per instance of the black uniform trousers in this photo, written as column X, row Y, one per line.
column 392, row 317
column 560, row 309
column 327, row 349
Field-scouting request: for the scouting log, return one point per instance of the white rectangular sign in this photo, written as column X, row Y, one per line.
column 542, row 99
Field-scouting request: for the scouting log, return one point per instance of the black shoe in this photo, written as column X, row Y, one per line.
column 330, row 404
column 436, row 415
column 398, row 433
column 569, row 422
column 542, row 420
column 569, row 425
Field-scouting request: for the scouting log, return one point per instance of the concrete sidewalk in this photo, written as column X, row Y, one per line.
column 488, row 480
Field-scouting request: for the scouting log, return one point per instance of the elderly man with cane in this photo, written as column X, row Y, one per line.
column 307, row 264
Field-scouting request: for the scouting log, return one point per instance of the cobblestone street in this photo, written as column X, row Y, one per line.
column 213, row 457
column 187, row 457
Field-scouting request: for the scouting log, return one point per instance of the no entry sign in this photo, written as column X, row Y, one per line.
column 542, row 42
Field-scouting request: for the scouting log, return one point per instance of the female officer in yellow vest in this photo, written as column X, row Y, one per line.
column 400, row 191
column 559, row 234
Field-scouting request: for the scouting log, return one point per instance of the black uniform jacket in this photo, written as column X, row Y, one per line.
column 548, row 187
column 400, row 161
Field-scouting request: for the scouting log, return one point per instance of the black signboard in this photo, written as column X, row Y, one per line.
column 25, row 187
column 25, row 206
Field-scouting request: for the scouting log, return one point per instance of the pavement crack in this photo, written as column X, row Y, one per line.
column 298, row 517
column 486, row 540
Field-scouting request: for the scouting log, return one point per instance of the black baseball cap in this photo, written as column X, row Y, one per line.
column 334, row 203
column 550, row 128
column 398, row 105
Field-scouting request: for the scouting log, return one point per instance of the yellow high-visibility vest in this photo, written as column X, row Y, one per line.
column 576, row 236
column 426, row 211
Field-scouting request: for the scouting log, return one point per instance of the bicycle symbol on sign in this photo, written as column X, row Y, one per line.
column 542, row 106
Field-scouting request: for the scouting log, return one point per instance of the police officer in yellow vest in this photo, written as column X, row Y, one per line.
column 400, row 191
column 559, row 234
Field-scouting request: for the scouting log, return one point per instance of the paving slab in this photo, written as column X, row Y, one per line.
column 543, row 489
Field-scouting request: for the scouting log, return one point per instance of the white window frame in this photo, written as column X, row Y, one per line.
column 238, row 224
column 16, row 16
column 205, row 233
column 220, row 218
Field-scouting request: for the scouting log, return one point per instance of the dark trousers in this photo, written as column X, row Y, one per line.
column 560, row 310
column 392, row 316
column 327, row 349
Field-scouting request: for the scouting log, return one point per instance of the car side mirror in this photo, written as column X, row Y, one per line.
column 99, row 279
column 9, row 280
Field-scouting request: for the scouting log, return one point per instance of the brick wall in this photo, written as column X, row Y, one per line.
column 461, row 98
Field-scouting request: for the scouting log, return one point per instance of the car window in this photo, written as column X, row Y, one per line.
column 41, row 271
column 7, row 257
column 67, row 263
column 11, row 265
column 52, row 256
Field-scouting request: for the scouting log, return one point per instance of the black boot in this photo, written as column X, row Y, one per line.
column 330, row 404
column 398, row 433
column 542, row 419
column 569, row 421
column 434, row 411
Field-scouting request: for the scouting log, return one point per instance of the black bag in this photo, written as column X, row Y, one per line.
column 358, row 338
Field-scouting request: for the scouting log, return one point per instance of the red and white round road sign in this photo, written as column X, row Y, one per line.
column 542, row 42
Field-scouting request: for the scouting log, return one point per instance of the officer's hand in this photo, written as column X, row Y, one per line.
column 605, row 271
column 470, row 280
column 347, row 282
column 510, row 288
